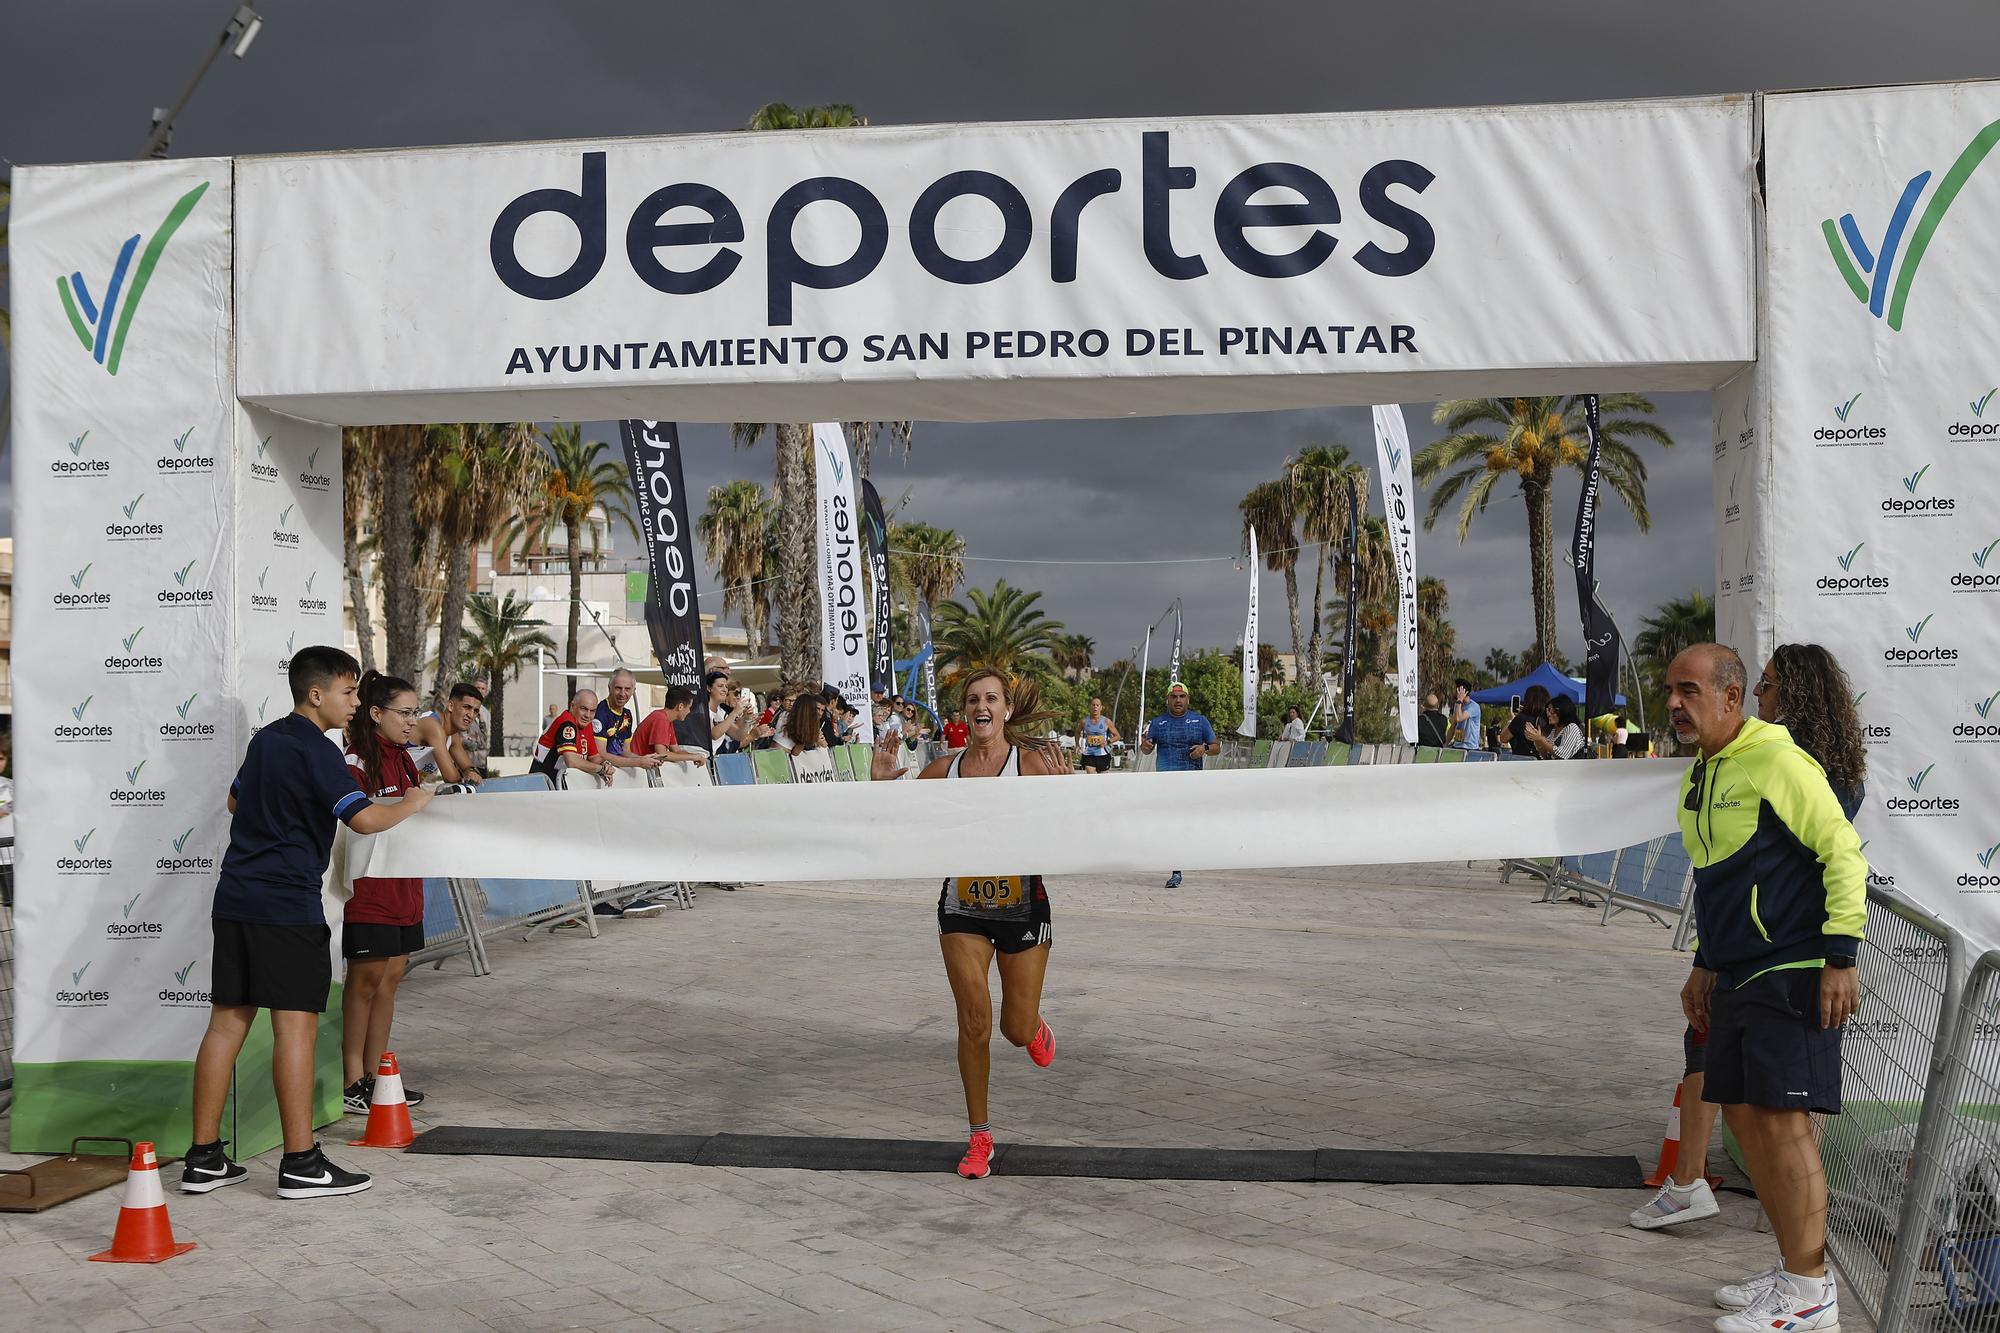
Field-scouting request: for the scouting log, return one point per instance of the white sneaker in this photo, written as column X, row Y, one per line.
column 1674, row 1205
column 1781, row 1307
column 1742, row 1295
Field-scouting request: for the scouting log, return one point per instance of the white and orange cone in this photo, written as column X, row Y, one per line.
column 1670, row 1148
column 388, row 1113
column 144, row 1236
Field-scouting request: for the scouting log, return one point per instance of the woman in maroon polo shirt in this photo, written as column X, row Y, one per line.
column 384, row 921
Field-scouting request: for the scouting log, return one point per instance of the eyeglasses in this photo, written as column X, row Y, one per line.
column 1693, row 802
column 1763, row 683
column 404, row 712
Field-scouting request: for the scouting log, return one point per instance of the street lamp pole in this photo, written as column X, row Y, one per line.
column 241, row 30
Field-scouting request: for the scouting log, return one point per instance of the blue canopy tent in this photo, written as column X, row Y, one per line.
column 1546, row 676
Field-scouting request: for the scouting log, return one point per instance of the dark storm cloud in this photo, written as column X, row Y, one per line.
column 370, row 74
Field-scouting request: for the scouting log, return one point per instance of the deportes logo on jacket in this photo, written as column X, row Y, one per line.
column 1874, row 274
column 102, row 317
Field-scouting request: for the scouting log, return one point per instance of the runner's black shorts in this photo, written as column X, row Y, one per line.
column 369, row 939
column 1099, row 762
column 1766, row 1047
column 271, row 967
column 1007, row 936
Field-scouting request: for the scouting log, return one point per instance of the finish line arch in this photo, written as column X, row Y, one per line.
column 213, row 322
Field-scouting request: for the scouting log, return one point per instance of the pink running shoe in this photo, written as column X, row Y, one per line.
column 977, row 1164
column 1042, row 1050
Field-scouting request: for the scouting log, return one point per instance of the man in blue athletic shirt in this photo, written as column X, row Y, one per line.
column 1182, row 739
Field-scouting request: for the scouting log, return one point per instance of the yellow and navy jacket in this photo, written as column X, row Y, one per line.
column 1779, row 879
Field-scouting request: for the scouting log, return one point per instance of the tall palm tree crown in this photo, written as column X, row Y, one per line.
column 1320, row 478
column 1531, row 439
column 1270, row 509
column 500, row 638
column 578, row 479
column 1001, row 627
column 736, row 530
column 482, row 474
column 929, row 561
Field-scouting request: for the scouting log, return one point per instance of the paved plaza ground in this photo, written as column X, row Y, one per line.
column 1408, row 1007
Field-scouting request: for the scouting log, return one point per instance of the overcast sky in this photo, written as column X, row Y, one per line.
column 364, row 74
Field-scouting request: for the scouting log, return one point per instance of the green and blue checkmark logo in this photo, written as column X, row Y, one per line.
column 84, row 841
column 132, row 638
column 1986, row 857
column 76, row 977
column 1916, row 631
column 130, row 903
column 1910, row 482
column 181, row 440
column 132, row 774
column 102, row 325
column 182, row 708
column 1847, row 561
column 181, row 574
column 1853, row 257
column 1846, row 407
column 1985, row 706
column 78, row 710
column 1978, row 405
column 76, row 579
column 76, row 445
column 1916, row 780
column 180, row 843
column 1980, row 557
column 181, row 973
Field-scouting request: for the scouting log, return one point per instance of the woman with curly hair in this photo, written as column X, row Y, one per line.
column 1804, row 690
column 982, row 918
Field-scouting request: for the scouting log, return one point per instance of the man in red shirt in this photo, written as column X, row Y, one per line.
column 656, row 733
column 571, row 743
column 956, row 733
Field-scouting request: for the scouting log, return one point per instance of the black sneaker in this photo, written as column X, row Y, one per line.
column 354, row 1101
column 308, row 1175
column 202, row 1171
column 606, row 909
column 412, row 1097
column 644, row 907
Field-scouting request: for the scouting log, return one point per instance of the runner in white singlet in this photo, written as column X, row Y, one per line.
column 1001, row 914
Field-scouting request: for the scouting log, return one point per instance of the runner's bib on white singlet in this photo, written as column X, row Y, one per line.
column 1002, row 897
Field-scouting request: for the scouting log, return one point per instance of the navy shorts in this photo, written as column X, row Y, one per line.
column 369, row 940
column 1766, row 1047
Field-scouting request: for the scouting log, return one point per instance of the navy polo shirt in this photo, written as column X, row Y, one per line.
column 1174, row 736
column 293, row 785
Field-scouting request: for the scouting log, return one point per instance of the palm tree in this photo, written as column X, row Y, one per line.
column 1270, row 509
column 864, row 434
column 482, row 475
column 359, row 476
column 1677, row 626
column 1502, row 665
column 1531, row 439
column 502, row 638
column 736, row 530
column 1072, row 653
column 929, row 561
column 1437, row 642
column 1375, row 570
column 576, row 479
column 1319, row 477
column 400, row 540
column 999, row 628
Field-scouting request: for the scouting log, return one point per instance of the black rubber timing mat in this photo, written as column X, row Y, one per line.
column 1027, row 1159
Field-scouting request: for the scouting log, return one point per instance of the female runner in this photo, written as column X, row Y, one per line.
column 981, row 917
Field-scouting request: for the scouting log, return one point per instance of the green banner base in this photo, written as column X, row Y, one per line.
column 151, row 1100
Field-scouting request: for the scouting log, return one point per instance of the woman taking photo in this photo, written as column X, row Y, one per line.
column 996, row 915
column 1532, row 712
column 384, row 920
column 1560, row 736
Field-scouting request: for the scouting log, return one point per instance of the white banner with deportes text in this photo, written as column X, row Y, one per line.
column 1062, row 269
column 845, row 616
column 1227, row 819
column 1880, row 430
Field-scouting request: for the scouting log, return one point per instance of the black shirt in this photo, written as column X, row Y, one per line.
column 293, row 785
column 1433, row 729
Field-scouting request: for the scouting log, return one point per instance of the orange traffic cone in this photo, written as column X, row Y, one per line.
column 144, row 1236
column 1670, row 1148
column 388, row 1114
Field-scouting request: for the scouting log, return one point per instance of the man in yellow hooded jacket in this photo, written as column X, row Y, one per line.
column 1780, row 900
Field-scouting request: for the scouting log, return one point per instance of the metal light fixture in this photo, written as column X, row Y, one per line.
column 237, row 35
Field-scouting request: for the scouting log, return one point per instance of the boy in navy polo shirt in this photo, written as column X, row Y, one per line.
column 270, row 932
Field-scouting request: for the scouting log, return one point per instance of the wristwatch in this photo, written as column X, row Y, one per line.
column 1840, row 962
